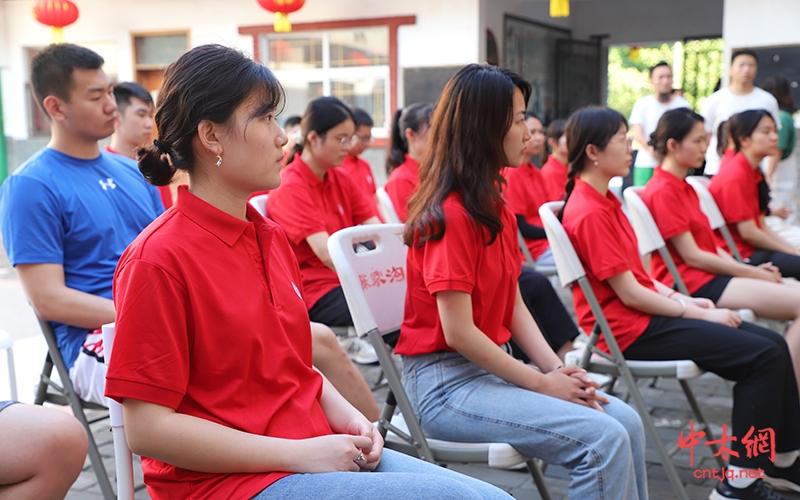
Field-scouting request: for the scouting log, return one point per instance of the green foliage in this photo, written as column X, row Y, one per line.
column 703, row 67
column 629, row 73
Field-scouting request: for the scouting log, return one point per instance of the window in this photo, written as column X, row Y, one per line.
column 351, row 64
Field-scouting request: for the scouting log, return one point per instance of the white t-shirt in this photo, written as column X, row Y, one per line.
column 646, row 112
column 723, row 104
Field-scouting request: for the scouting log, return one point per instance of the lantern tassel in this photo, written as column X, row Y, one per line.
column 56, row 34
column 282, row 24
column 559, row 8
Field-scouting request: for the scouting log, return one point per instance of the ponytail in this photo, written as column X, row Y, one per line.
column 158, row 163
column 412, row 117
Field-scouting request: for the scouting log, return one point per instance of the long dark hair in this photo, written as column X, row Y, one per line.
column 674, row 124
column 742, row 125
column 778, row 86
column 415, row 117
column 591, row 125
column 555, row 130
column 321, row 115
column 722, row 138
column 465, row 153
column 207, row 83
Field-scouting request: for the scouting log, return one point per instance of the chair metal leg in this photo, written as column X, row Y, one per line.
column 538, row 479
column 44, row 381
column 12, row 374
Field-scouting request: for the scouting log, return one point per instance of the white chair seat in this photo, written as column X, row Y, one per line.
column 497, row 455
column 682, row 369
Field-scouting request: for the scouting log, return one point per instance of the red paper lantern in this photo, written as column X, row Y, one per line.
column 56, row 14
column 281, row 8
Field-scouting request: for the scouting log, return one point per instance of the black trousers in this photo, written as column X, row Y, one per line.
column 548, row 311
column 765, row 395
column 331, row 309
column 788, row 264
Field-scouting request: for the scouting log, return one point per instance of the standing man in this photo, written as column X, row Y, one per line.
column 645, row 115
column 69, row 212
column 740, row 95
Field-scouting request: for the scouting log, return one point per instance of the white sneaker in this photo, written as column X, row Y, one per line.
column 359, row 350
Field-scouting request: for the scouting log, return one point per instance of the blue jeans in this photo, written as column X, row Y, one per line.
column 456, row 400
column 398, row 476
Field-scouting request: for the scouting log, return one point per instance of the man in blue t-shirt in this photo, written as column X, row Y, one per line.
column 69, row 212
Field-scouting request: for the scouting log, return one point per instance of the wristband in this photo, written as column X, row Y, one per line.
column 683, row 306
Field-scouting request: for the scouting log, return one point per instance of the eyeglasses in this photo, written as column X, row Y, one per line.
column 344, row 142
column 626, row 138
column 366, row 138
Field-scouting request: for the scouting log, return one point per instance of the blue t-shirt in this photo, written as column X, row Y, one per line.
column 81, row 214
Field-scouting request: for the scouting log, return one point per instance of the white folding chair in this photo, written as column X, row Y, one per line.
column 650, row 240
column 260, row 203
column 570, row 271
column 709, row 207
column 123, row 458
column 385, row 207
column 374, row 283
column 7, row 344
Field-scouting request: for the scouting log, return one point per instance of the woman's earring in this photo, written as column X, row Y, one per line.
column 219, row 160
column 595, row 162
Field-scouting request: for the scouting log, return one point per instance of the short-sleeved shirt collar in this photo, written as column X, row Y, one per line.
column 308, row 176
column 225, row 227
column 608, row 202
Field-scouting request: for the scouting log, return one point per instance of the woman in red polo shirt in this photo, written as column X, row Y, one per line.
column 555, row 168
column 707, row 270
column 736, row 190
column 410, row 132
column 315, row 200
column 463, row 305
column 212, row 361
column 652, row 322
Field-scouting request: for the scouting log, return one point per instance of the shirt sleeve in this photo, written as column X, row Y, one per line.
column 400, row 190
column 450, row 262
column 735, row 200
column 291, row 206
column 30, row 215
column 150, row 360
column 637, row 113
column 709, row 112
column 604, row 261
column 667, row 209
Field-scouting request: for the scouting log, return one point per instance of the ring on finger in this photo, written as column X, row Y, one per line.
column 360, row 457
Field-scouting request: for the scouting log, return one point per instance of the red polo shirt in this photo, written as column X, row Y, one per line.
column 361, row 174
column 304, row 205
column 607, row 246
column 676, row 210
column 461, row 261
column 735, row 189
column 555, row 178
column 210, row 323
column 525, row 193
column 401, row 185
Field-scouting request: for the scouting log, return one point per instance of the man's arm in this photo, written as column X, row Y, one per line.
column 54, row 301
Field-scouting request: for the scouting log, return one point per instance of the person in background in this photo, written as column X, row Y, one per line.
column 652, row 322
column 353, row 164
column 42, row 451
column 645, row 115
column 554, row 170
column 315, row 200
column 740, row 95
column 410, row 131
column 292, row 128
column 463, row 304
column 212, row 357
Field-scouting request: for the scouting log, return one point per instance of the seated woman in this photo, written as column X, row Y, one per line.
column 463, row 305
column 42, row 451
column 652, row 322
column 410, row 132
column 315, row 200
column 212, row 361
column 736, row 190
column 708, row 271
column 555, row 168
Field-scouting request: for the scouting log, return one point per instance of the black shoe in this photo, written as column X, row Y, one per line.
column 756, row 491
column 783, row 479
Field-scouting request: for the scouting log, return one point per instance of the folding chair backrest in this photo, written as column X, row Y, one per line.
column 386, row 208
column 260, row 203
column 374, row 280
column 648, row 235
column 569, row 266
column 122, row 454
column 709, row 207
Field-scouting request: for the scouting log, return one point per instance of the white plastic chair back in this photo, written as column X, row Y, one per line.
column 122, row 454
column 644, row 225
column 260, row 203
column 707, row 203
column 7, row 343
column 568, row 264
column 386, row 208
column 384, row 286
